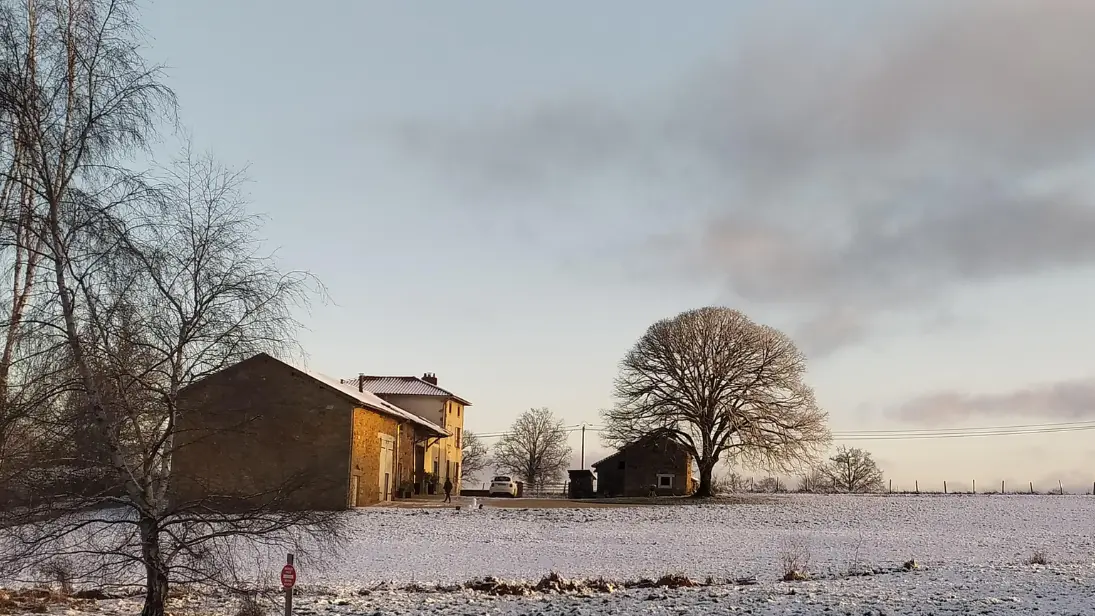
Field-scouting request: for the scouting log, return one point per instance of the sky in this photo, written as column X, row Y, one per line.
column 508, row 194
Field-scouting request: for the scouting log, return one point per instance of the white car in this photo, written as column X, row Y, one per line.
column 503, row 486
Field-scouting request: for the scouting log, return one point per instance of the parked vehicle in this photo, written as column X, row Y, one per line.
column 503, row 486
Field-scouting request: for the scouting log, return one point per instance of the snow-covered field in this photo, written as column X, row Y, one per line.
column 971, row 551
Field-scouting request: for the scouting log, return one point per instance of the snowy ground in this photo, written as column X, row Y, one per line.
column 972, row 553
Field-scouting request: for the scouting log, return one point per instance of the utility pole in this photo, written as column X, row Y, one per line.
column 583, row 447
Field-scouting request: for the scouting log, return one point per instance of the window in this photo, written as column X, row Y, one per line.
column 458, row 438
column 457, row 471
column 458, row 410
column 665, row 481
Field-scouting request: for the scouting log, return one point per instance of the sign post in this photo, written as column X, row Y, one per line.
column 288, row 580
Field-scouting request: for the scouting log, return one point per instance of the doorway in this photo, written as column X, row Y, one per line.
column 387, row 447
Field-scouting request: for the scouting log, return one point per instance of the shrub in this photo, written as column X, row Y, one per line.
column 795, row 559
column 59, row 571
column 249, row 606
column 854, row 565
column 1038, row 558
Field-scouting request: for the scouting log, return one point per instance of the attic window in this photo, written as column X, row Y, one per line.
column 665, row 481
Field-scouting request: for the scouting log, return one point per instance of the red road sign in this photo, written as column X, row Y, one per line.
column 288, row 576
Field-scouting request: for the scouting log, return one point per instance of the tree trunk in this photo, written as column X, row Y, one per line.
column 155, row 572
column 704, row 489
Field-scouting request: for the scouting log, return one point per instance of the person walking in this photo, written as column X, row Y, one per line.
column 448, row 490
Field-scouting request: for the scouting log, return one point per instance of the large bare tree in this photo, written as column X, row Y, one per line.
column 852, row 470
column 474, row 456
column 724, row 387
column 535, row 448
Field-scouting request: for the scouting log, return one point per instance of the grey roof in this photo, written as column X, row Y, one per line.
column 403, row 386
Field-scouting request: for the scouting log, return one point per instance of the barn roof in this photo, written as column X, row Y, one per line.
column 637, row 442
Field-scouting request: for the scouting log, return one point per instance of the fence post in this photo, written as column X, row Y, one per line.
column 944, row 487
column 1061, row 487
column 1032, row 487
column 917, row 483
column 975, row 486
column 891, row 486
column 1002, row 487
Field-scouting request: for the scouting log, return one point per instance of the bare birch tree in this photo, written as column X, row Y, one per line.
column 853, row 471
column 124, row 288
column 75, row 97
column 723, row 387
column 535, row 448
column 475, row 456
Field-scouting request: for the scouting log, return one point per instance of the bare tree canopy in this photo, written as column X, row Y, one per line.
column 722, row 386
column 155, row 294
column 853, row 471
column 535, row 448
column 474, row 456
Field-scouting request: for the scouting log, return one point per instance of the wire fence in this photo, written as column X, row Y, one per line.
column 771, row 485
column 775, row 485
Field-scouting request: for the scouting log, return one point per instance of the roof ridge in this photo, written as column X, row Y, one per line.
column 366, row 397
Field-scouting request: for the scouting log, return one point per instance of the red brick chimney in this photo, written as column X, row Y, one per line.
column 430, row 378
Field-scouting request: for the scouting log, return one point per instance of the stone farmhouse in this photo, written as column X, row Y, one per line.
column 655, row 463
column 266, row 431
column 440, row 457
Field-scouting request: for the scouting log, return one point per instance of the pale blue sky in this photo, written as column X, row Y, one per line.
column 508, row 193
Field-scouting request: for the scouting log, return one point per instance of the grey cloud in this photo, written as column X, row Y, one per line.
column 839, row 177
column 1063, row 401
column 885, row 262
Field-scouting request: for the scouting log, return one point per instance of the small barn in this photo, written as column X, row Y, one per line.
column 655, row 463
column 581, row 483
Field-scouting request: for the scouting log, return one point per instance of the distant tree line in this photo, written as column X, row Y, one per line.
column 847, row 471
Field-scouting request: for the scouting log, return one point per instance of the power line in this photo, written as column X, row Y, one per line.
column 1013, row 430
column 907, row 434
column 948, row 430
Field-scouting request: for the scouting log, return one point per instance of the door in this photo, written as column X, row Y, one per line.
column 353, row 490
column 387, row 446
